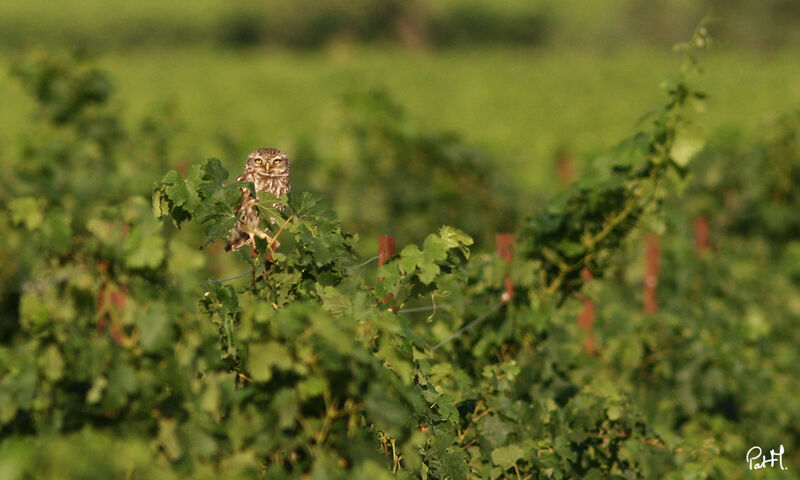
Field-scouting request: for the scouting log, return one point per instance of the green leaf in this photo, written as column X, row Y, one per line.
column 435, row 248
column 175, row 188
column 685, row 147
column 410, row 257
column 265, row 356
column 309, row 205
column 448, row 459
column 428, row 272
column 335, row 302
column 213, row 176
column 494, row 430
column 454, row 238
column 285, row 404
column 121, row 382
column 563, row 448
column 508, row 455
column 8, row 408
column 445, row 404
column 27, row 211
column 385, row 410
column 312, row 387
column 222, row 202
column 52, row 363
column 614, row 413
column 156, row 329
column 173, row 197
column 95, row 393
column 453, row 465
column 168, row 439
column 218, row 229
column 57, row 232
column 199, row 442
column 144, row 248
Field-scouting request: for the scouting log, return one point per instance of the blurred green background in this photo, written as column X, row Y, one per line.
column 521, row 80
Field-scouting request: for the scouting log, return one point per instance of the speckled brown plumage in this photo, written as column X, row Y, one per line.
column 268, row 169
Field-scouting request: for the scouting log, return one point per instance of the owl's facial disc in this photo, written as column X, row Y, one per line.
column 272, row 162
column 264, row 163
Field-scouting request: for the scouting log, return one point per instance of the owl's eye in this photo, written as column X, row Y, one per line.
column 258, row 161
column 276, row 161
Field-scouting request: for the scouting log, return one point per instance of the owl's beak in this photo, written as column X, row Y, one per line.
column 266, row 167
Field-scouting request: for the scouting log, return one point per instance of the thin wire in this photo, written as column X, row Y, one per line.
column 469, row 325
column 470, row 267
column 365, row 263
column 425, row 309
column 433, row 307
column 235, row 277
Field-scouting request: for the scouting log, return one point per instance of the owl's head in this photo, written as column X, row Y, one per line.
column 270, row 161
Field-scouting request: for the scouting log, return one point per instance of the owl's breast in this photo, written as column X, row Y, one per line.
column 275, row 185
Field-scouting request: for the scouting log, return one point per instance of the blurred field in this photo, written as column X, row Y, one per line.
column 521, row 80
column 521, row 105
column 114, row 24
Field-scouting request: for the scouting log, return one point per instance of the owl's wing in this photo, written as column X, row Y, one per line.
column 241, row 233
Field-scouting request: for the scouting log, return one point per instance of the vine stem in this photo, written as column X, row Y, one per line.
column 611, row 224
column 280, row 230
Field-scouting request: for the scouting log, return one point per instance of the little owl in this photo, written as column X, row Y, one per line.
column 268, row 169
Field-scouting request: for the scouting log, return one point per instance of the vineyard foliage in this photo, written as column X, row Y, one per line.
column 410, row 175
column 122, row 356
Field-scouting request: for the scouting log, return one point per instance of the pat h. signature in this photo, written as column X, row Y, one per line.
column 758, row 461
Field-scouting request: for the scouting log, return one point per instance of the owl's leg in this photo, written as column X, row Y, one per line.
column 262, row 234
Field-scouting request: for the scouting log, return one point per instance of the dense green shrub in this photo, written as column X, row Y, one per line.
column 397, row 176
column 724, row 184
